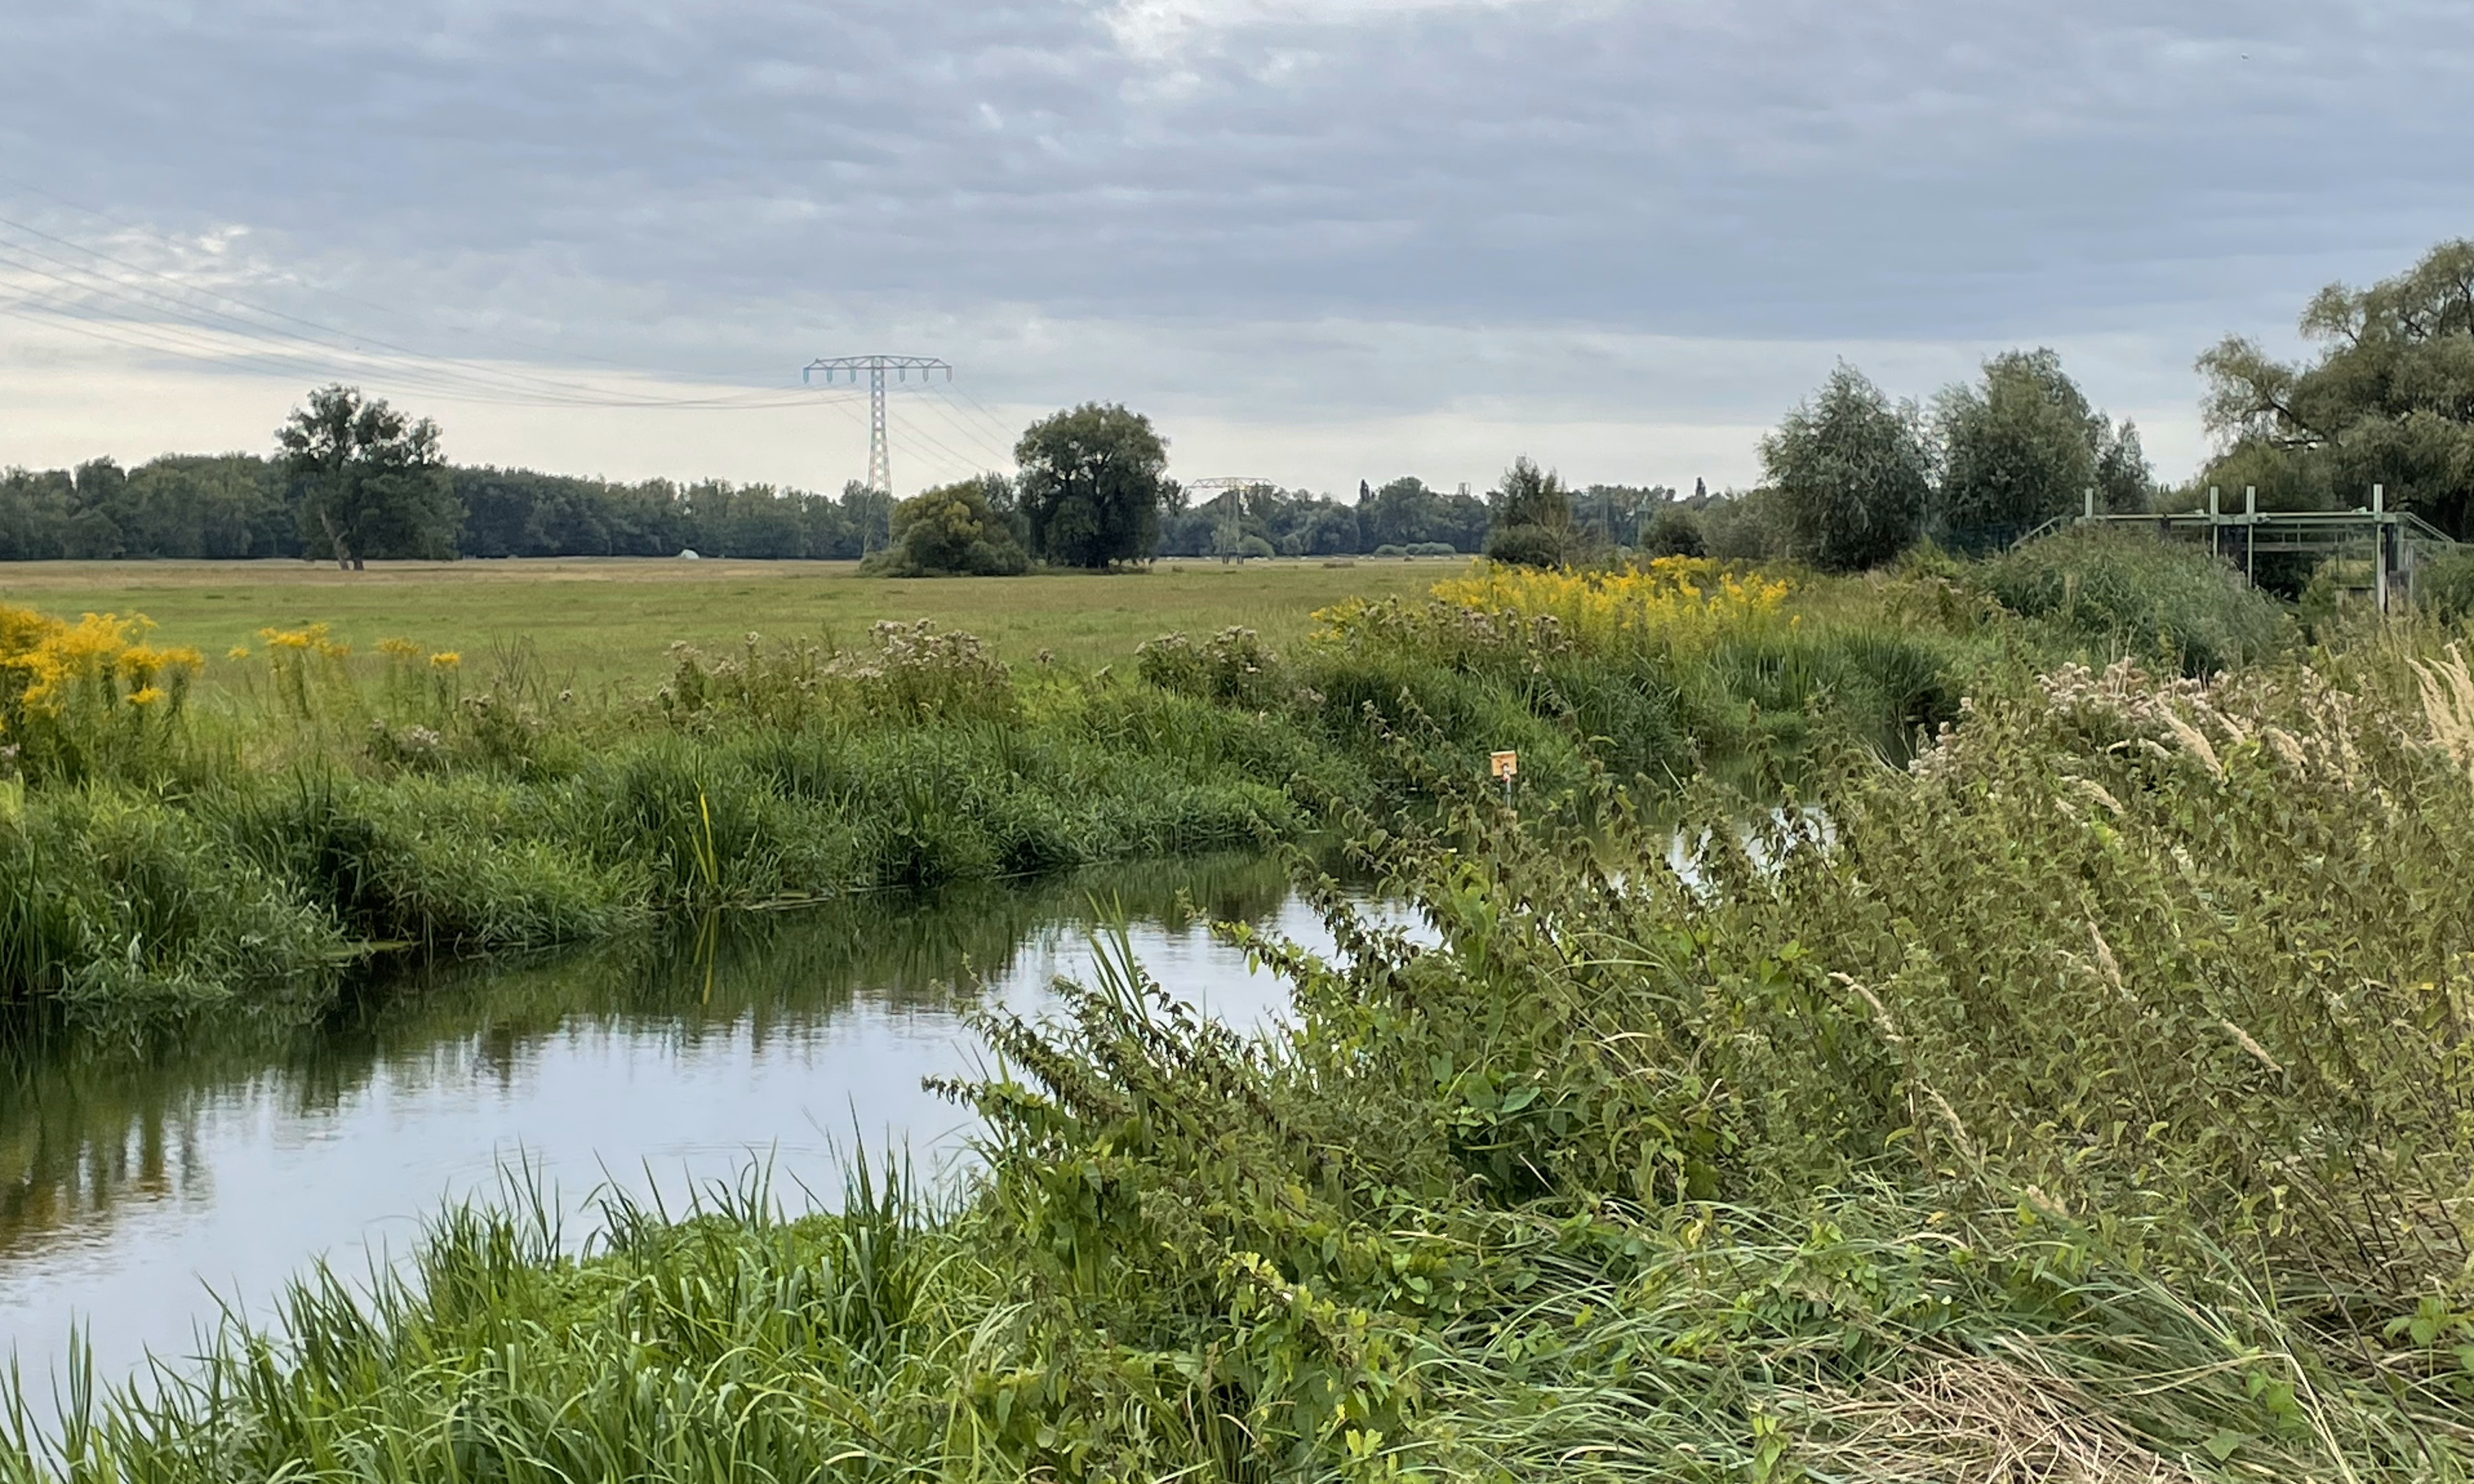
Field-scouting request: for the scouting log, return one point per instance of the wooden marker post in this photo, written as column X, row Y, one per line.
column 1505, row 765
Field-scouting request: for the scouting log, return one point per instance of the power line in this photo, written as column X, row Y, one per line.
column 963, row 461
column 514, row 385
column 989, row 456
column 971, row 407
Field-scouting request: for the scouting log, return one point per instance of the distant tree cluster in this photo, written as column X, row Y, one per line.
column 974, row 528
column 2387, row 399
column 1851, row 477
column 353, row 480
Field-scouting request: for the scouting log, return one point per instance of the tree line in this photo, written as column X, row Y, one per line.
column 1850, row 476
column 354, row 479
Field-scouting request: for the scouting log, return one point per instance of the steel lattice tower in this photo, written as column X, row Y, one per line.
column 880, row 458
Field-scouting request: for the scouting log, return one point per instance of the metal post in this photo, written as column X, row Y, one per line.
column 2250, row 534
column 2212, row 523
column 2091, row 504
column 2379, row 545
column 880, row 458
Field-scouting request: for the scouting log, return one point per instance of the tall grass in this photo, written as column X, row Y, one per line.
column 2084, row 1100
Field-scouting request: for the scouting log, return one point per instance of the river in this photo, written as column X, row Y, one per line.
column 142, row 1192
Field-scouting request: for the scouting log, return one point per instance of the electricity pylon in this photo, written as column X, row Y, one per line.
column 880, row 461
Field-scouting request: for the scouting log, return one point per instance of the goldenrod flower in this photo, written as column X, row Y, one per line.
column 447, row 659
column 147, row 696
column 1672, row 599
column 237, row 652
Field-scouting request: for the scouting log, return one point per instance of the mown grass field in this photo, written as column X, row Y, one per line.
column 594, row 623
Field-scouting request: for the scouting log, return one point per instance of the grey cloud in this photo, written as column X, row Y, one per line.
column 714, row 185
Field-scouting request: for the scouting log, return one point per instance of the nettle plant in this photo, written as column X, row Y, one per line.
column 909, row 670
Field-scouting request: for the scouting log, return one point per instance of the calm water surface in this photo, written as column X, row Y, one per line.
column 138, row 1193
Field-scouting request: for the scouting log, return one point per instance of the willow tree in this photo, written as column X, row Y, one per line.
column 2385, row 398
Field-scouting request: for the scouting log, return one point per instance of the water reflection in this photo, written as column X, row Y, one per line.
column 132, row 1182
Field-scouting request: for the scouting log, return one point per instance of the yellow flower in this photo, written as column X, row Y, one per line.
column 399, row 649
column 315, row 638
column 1671, row 600
column 237, row 652
column 446, row 659
column 147, row 696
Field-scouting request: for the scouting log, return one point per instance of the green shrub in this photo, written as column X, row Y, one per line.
column 1234, row 665
column 1525, row 546
column 2444, row 586
column 1674, row 531
column 964, row 529
column 2128, row 593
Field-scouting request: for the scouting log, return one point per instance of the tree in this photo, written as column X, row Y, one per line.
column 2025, row 446
column 2388, row 399
column 1404, row 512
column 370, row 482
column 964, row 528
column 1851, row 474
column 1093, row 481
column 1674, row 531
column 2018, row 450
column 1533, row 517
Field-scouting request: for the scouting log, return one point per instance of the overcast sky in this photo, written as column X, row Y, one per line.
column 1317, row 242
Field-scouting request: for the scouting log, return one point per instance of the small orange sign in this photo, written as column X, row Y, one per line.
column 1503, row 764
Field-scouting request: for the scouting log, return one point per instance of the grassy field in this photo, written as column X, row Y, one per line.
column 612, row 620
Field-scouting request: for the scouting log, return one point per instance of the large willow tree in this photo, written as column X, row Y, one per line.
column 2387, row 398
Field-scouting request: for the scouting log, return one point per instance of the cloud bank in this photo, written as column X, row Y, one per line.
column 1643, row 229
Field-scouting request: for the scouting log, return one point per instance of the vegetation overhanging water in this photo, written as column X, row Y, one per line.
column 2094, row 1105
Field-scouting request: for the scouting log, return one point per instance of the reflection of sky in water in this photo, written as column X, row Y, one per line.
column 265, row 1174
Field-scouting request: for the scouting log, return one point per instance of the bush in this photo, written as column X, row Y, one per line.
column 955, row 529
column 1432, row 548
column 1674, row 531
column 90, row 697
column 2444, row 586
column 1525, row 546
column 1748, row 527
column 1232, row 666
column 2129, row 592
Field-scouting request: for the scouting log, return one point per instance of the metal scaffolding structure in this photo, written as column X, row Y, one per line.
column 880, row 455
column 2373, row 549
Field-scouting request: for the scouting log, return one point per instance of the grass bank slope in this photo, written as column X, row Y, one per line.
column 2087, row 1099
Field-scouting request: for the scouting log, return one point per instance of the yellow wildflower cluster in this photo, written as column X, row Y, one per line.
column 317, row 639
column 48, row 665
column 1674, row 599
column 400, row 649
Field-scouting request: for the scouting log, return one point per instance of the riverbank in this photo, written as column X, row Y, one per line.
column 164, row 856
column 2090, row 1104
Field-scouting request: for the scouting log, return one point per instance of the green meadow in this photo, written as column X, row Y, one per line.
column 609, row 622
